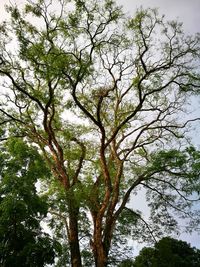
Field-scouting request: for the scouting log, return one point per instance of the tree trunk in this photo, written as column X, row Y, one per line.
column 99, row 250
column 73, row 237
column 100, row 254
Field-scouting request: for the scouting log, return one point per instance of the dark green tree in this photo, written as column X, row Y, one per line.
column 126, row 263
column 22, row 240
column 168, row 252
column 103, row 97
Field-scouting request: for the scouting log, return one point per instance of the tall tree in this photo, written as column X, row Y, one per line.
column 101, row 96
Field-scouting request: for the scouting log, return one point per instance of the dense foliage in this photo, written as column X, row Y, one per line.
column 168, row 252
column 22, row 240
column 103, row 100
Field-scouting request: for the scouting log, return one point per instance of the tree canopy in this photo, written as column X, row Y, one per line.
column 22, row 241
column 102, row 98
column 168, row 252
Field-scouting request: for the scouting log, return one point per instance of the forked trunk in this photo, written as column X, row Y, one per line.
column 100, row 251
column 101, row 257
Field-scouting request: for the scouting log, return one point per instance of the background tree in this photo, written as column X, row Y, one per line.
column 22, row 240
column 168, row 252
column 102, row 97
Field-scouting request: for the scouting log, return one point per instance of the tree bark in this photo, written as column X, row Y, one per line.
column 100, row 255
column 73, row 236
column 100, row 251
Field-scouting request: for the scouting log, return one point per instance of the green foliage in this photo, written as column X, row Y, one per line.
column 126, row 263
column 168, row 252
column 145, row 258
column 126, row 220
column 22, row 241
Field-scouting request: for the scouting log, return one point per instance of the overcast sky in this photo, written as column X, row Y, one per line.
column 186, row 11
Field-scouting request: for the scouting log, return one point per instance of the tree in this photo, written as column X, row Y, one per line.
column 168, row 252
column 100, row 95
column 22, row 241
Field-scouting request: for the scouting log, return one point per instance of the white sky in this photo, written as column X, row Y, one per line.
column 186, row 11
